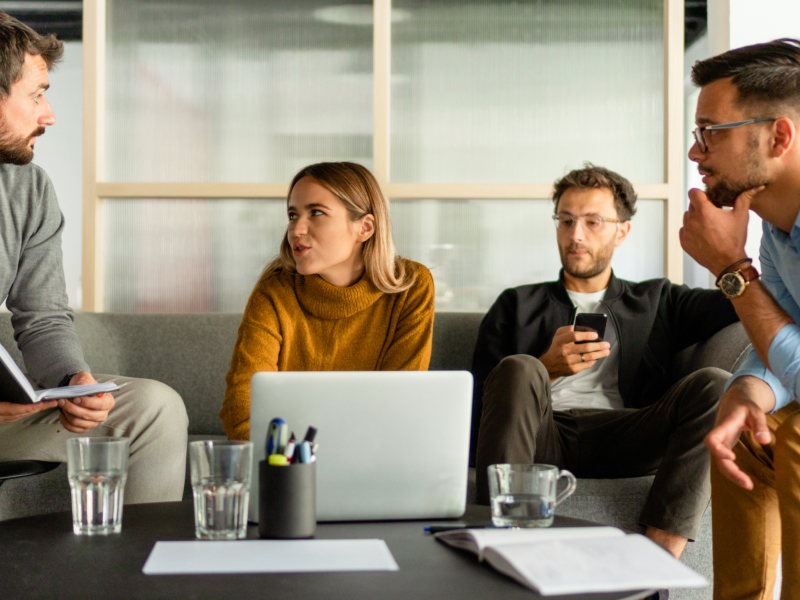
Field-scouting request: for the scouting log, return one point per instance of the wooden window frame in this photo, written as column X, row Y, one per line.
column 95, row 190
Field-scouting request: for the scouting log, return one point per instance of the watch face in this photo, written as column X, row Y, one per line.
column 732, row 284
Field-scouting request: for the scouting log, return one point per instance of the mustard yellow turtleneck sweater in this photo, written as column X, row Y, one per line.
column 302, row 323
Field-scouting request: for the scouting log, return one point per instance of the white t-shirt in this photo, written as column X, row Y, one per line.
column 596, row 387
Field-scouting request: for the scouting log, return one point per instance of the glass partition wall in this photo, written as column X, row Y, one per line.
column 199, row 113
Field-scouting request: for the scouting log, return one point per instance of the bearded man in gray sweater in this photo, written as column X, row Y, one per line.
column 32, row 283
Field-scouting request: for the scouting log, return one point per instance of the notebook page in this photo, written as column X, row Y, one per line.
column 77, row 391
column 630, row 562
column 17, row 374
column 477, row 540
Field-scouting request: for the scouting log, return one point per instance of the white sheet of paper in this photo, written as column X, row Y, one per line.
column 268, row 556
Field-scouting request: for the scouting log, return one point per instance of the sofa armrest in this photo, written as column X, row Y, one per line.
column 726, row 350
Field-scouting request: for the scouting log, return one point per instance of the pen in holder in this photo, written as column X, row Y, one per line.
column 287, row 501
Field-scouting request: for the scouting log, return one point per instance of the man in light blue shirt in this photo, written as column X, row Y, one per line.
column 747, row 146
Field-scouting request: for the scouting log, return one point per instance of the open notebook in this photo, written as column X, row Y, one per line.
column 15, row 387
column 575, row 560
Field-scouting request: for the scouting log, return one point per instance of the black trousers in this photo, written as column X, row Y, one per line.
column 665, row 439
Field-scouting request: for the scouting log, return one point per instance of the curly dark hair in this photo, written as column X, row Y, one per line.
column 590, row 177
column 17, row 40
column 764, row 74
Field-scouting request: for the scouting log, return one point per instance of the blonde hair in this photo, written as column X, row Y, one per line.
column 361, row 195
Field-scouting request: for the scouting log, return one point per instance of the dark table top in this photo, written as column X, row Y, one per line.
column 42, row 558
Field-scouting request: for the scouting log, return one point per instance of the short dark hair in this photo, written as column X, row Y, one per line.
column 590, row 177
column 17, row 40
column 764, row 74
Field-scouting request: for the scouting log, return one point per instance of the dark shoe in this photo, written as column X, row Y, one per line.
column 659, row 595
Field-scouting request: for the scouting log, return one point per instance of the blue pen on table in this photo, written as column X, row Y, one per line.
column 440, row 528
column 277, row 436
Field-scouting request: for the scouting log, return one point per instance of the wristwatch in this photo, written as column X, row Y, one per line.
column 733, row 284
column 66, row 380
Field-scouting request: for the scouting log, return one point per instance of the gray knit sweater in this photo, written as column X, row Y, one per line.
column 32, row 275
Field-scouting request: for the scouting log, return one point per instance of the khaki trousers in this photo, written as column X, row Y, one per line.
column 752, row 527
column 150, row 413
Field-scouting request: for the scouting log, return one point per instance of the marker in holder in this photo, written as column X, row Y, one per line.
column 287, row 501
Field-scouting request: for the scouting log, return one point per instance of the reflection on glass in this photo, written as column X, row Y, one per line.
column 501, row 91
column 477, row 248
column 206, row 255
column 187, row 255
column 239, row 91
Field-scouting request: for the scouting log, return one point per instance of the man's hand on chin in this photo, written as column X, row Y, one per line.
column 79, row 415
column 742, row 408
column 715, row 237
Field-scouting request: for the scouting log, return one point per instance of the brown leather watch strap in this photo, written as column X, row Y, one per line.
column 732, row 268
column 749, row 273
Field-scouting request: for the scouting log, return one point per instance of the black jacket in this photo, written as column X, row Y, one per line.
column 653, row 320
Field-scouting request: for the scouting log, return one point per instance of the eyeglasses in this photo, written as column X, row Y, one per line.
column 703, row 139
column 593, row 223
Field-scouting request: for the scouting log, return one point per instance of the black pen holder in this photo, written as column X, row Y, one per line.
column 287, row 501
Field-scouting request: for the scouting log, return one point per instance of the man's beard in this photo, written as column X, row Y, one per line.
column 725, row 191
column 599, row 263
column 17, row 151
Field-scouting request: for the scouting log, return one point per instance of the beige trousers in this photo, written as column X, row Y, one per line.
column 150, row 413
column 752, row 527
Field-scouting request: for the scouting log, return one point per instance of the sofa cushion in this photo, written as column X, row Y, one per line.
column 26, row 496
column 190, row 353
column 726, row 350
column 454, row 337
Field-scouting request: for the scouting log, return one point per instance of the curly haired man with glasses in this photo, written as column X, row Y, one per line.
column 546, row 393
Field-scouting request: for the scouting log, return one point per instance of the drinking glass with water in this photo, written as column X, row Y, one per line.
column 525, row 495
column 97, row 469
column 221, row 488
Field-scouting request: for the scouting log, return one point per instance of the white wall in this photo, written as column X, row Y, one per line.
column 60, row 153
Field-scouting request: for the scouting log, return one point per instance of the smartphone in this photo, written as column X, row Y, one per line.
column 591, row 322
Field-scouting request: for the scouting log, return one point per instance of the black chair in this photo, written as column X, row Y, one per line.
column 24, row 468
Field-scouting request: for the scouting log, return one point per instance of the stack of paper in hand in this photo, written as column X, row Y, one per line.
column 16, row 387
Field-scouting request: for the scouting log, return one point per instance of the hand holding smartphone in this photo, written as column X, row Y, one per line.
column 591, row 322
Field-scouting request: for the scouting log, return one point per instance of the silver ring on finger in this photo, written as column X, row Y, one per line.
column 583, row 358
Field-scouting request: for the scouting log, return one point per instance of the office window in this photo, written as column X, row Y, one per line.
column 499, row 92
column 206, row 255
column 200, row 113
column 243, row 90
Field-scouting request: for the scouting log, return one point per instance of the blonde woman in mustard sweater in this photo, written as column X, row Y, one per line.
column 338, row 298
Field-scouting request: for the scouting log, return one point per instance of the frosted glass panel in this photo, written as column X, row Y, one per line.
column 206, row 255
column 498, row 91
column 477, row 248
column 235, row 91
column 188, row 255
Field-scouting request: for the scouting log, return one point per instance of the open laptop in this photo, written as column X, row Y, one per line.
column 392, row 444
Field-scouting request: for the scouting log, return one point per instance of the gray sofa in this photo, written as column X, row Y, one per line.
column 191, row 353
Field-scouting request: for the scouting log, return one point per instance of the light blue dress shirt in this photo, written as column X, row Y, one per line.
column 780, row 263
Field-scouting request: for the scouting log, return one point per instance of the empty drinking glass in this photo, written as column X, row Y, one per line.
column 221, row 488
column 97, row 469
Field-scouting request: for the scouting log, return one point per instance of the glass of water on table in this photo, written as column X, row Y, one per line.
column 526, row 495
column 221, row 487
column 97, row 468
